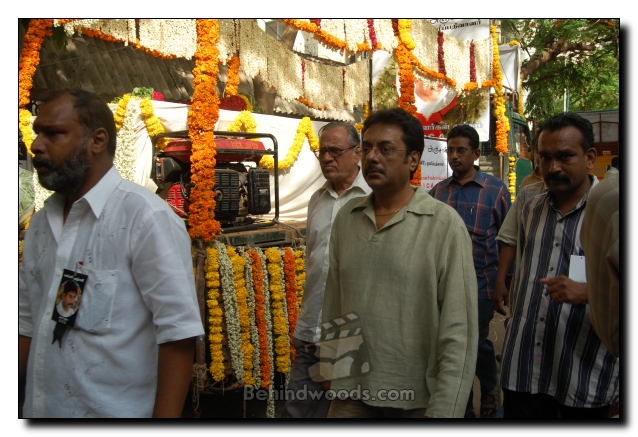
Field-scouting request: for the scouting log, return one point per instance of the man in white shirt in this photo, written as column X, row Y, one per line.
column 339, row 154
column 130, row 350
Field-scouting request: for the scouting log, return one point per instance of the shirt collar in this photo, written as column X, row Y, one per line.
column 358, row 182
column 479, row 178
column 96, row 196
column 421, row 203
column 594, row 181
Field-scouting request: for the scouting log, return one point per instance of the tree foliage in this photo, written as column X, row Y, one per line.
column 581, row 56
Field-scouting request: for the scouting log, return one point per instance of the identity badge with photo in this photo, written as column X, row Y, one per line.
column 67, row 302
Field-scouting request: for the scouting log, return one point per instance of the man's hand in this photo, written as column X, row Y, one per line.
column 501, row 297
column 563, row 290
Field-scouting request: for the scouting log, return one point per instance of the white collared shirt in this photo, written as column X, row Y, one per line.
column 322, row 209
column 140, row 293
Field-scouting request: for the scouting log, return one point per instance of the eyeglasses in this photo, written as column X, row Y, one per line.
column 459, row 151
column 334, row 151
column 384, row 151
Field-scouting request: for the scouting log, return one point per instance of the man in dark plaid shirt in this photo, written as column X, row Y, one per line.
column 482, row 201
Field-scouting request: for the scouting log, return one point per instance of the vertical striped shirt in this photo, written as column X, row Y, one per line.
column 482, row 203
column 552, row 348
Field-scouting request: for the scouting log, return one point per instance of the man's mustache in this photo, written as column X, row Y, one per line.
column 39, row 161
column 369, row 169
column 551, row 177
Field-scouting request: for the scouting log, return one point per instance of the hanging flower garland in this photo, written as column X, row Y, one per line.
column 270, row 403
column 300, row 272
column 124, row 160
column 404, row 27
column 416, row 178
column 241, row 295
column 372, row 34
column 232, row 83
column 24, row 119
column 441, row 53
column 512, row 178
column 120, row 112
column 29, row 61
column 231, row 310
column 304, row 130
column 406, row 78
column 291, row 294
column 252, row 311
column 502, row 123
column 280, row 325
column 265, row 347
column 30, row 58
column 215, row 313
column 202, row 117
column 521, row 109
column 243, row 120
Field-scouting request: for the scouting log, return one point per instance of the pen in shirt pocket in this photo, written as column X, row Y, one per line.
column 580, row 252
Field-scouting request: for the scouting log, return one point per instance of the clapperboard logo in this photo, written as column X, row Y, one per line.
column 342, row 350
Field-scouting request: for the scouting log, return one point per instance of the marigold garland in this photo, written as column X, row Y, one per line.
column 243, row 120
column 153, row 124
column 291, row 294
column 30, row 58
column 304, row 130
column 232, row 82
column 300, row 271
column 215, row 314
column 260, row 317
column 24, row 125
column 404, row 27
column 406, row 78
column 202, row 116
column 502, row 123
column 416, row 178
column 280, row 325
column 512, row 178
column 270, row 404
column 249, row 106
column 120, row 112
column 241, row 294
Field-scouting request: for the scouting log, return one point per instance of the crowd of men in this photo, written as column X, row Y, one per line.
column 401, row 283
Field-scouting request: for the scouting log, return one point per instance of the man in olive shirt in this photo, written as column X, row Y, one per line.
column 402, row 277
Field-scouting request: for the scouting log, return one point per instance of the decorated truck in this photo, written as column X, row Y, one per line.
column 242, row 179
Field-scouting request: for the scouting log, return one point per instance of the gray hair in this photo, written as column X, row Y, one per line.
column 353, row 135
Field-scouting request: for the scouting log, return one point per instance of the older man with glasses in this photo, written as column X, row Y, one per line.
column 338, row 155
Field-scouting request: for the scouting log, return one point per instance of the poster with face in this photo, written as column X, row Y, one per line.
column 69, row 298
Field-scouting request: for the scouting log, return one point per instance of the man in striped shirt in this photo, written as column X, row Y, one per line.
column 554, row 364
column 482, row 201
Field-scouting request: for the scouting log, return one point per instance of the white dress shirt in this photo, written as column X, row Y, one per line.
column 322, row 209
column 140, row 292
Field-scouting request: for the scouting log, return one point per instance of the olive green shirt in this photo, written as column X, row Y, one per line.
column 413, row 287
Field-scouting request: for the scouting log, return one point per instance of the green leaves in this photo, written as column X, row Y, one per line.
column 581, row 56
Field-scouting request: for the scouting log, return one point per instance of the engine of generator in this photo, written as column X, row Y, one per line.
column 241, row 190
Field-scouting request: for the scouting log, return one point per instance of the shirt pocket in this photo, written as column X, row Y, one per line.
column 98, row 297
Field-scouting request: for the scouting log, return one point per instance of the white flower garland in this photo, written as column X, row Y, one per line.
column 123, row 29
column 254, row 332
column 385, row 34
column 356, row 31
column 335, row 28
column 425, row 37
column 170, row 36
column 231, row 312
column 270, row 404
column 41, row 193
column 324, row 85
column 356, row 86
column 228, row 43
column 124, row 153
